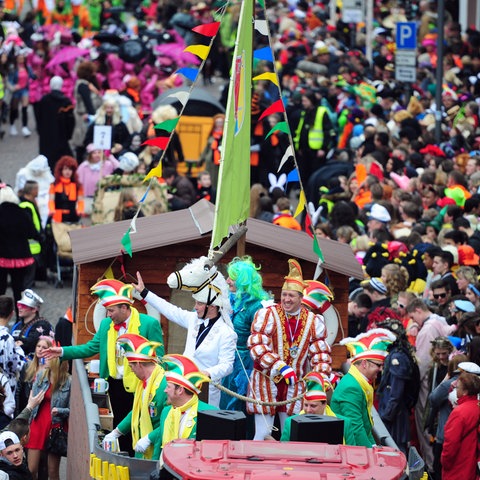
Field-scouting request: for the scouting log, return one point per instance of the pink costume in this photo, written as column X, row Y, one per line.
column 90, row 173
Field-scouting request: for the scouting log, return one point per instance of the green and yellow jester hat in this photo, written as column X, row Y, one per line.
column 182, row 371
column 371, row 345
column 317, row 296
column 138, row 348
column 113, row 292
column 316, row 387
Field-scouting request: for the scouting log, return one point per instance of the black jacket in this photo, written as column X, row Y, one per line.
column 16, row 227
column 55, row 126
column 15, row 473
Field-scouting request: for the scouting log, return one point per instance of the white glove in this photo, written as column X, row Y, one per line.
column 142, row 444
column 113, row 435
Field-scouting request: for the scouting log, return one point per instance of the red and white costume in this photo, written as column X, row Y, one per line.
column 275, row 340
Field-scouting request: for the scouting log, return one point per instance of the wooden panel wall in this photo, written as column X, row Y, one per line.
column 155, row 265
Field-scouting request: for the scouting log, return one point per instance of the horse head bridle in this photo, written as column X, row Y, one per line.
column 197, row 288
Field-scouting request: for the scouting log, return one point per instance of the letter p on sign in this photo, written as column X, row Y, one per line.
column 406, row 36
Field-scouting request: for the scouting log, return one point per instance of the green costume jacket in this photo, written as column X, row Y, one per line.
column 156, row 406
column 156, row 436
column 348, row 400
column 348, row 437
column 149, row 328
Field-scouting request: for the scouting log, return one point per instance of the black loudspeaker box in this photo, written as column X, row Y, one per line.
column 221, row 425
column 317, row 428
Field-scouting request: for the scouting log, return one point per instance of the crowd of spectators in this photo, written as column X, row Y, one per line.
column 376, row 170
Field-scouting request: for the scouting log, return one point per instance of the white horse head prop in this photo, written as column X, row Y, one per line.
column 206, row 283
column 192, row 275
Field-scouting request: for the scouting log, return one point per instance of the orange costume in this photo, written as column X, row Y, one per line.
column 66, row 201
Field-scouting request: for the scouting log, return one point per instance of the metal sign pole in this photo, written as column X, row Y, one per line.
column 439, row 72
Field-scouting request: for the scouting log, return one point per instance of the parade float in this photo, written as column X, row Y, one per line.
column 161, row 244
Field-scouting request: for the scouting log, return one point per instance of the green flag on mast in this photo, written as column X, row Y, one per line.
column 233, row 189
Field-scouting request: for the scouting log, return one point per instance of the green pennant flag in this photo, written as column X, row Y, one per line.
column 168, row 125
column 233, row 188
column 127, row 243
column 282, row 126
column 317, row 250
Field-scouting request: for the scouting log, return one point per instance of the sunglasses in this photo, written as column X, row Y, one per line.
column 439, row 295
column 401, row 305
column 379, row 365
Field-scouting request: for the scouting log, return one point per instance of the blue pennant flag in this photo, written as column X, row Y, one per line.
column 190, row 73
column 263, row 54
column 293, row 176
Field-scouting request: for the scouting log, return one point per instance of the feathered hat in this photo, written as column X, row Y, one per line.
column 317, row 296
column 113, row 292
column 371, row 345
column 182, row 371
column 138, row 348
column 294, row 279
column 316, row 387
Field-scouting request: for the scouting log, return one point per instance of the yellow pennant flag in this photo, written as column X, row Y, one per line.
column 109, row 273
column 302, row 201
column 198, row 50
column 272, row 76
column 154, row 172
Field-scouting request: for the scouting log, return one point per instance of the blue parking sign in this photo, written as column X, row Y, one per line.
column 406, row 37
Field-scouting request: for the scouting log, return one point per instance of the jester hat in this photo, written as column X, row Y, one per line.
column 113, row 292
column 316, row 386
column 138, row 348
column 182, row 371
column 294, row 279
column 371, row 345
column 317, row 296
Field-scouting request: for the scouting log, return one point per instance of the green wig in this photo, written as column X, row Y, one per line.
column 248, row 280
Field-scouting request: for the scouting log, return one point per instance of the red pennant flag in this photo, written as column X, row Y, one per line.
column 208, row 29
column 308, row 225
column 275, row 107
column 160, row 142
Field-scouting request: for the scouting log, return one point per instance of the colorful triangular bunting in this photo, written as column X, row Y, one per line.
column 261, row 27
column 189, row 73
column 168, row 125
column 302, row 201
column 275, row 107
column 271, row 76
column 154, row 172
column 182, row 97
column 280, row 126
column 109, row 273
column 288, row 153
column 160, row 142
column 317, row 250
column 198, row 50
column 208, row 30
column 127, row 242
column 264, row 54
